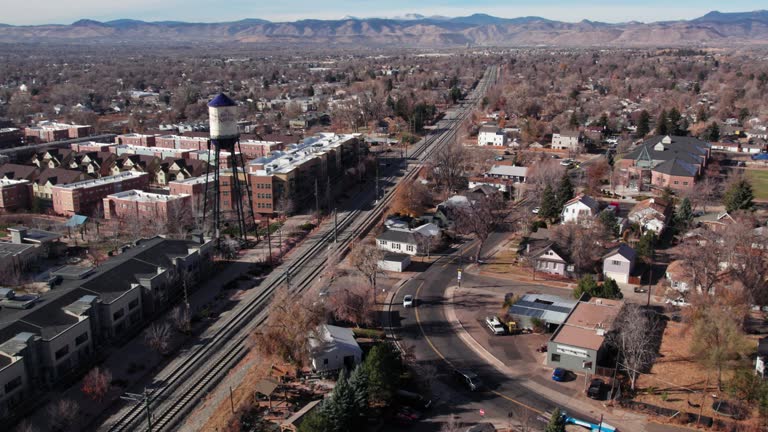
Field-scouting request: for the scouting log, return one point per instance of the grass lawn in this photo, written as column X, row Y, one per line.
column 759, row 179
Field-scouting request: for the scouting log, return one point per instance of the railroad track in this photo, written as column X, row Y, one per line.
column 191, row 378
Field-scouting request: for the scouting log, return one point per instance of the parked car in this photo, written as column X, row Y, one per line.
column 566, row 162
column 595, row 390
column 413, row 400
column 408, row 301
column 499, row 158
column 468, row 379
column 679, row 302
column 639, row 289
column 495, row 325
column 559, row 374
column 536, row 210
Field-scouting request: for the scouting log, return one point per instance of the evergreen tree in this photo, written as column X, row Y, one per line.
column 610, row 290
column 712, row 133
column 610, row 223
column 574, row 121
column 340, row 406
column 673, row 122
column 548, row 206
column 587, row 285
column 358, row 381
column 383, row 367
column 643, row 124
column 556, row 422
column 646, row 247
column 684, row 214
column 564, row 191
column 661, row 123
column 739, row 196
column 316, row 421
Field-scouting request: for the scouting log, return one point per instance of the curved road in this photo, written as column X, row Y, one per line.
column 427, row 331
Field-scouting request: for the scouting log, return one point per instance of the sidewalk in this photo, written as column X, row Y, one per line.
column 628, row 420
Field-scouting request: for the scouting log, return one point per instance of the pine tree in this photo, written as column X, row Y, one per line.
column 661, row 123
column 382, row 367
column 587, row 285
column 610, row 223
column 643, row 124
column 646, row 246
column 673, row 122
column 564, row 191
column 548, row 206
column 712, row 133
column 574, row 121
column 358, row 381
column 340, row 406
column 739, row 197
column 610, row 290
column 316, row 421
column 684, row 214
column 556, row 422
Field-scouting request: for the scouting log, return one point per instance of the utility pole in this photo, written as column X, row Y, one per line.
column 377, row 178
column 335, row 226
column 269, row 242
column 317, row 202
column 143, row 398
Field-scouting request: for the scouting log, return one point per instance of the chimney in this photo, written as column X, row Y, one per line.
column 18, row 234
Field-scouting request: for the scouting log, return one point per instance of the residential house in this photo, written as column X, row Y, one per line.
column 677, row 276
column 570, row 141
column 619, row 263
column 180, row 169
column 420, row 240
column 580, row 343
column 580, row 209
column 12, row 171
column 549, row 258
column 333, row 348
column 491, row 135
column 652, row 214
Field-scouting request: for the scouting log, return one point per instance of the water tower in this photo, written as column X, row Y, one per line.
column 237, row 211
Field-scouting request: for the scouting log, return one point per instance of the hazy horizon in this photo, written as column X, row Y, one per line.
column 57, row 12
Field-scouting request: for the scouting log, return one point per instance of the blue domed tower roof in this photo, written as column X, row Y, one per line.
column 221, row 100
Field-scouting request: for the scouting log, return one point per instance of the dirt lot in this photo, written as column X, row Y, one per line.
column 679, row 379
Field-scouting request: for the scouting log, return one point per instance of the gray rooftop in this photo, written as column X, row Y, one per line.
column 398, row 236
column 549, row 308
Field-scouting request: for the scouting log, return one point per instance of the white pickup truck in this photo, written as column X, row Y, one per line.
column 495, row 325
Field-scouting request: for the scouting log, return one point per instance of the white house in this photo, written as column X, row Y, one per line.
column 492, row 135
column 333, row 348
column 651, row 214
column 516, row 174
column 394, row 262
column 566, row 141
column 410, row 242
column 580, row 209
column 619, row 263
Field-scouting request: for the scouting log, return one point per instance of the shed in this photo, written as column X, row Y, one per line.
column 395, row 262
column 333, row 348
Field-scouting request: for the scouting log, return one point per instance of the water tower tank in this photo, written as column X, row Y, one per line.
column 223, row 118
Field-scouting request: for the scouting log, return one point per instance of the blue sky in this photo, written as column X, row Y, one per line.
column 67, row 11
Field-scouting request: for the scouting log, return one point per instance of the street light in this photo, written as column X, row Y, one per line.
column 144, row 398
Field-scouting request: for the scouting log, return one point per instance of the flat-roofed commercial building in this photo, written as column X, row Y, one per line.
column 145, row 207
column 14, row 194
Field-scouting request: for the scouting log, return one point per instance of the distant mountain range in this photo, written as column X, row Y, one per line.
column 413, row 30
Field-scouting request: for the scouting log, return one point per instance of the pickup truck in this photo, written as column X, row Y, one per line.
column 495, row 325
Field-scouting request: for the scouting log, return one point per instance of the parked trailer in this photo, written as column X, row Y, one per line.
column 603, row 427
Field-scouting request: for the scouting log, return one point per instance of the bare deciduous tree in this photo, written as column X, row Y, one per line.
column 62, row 414
column 481, row 217
column 449, row 167
column 352, row 301
column 291, row 323
column 522, row 419
column 158, row 337
column 181, row 319
column 364, row 257
column 636, row 339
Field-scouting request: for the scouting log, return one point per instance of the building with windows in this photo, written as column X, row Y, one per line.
column 83, row 196
column 665, row 161
column 146, row 207
column 579, row 344
column 490, row 134
column 14, row 194
column 47, row 338
column 51, row 131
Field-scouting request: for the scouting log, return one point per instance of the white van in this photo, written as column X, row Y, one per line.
column 495, row 325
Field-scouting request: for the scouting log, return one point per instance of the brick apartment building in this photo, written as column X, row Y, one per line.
column 145, row 207
column 159, row 152
column 194, row 187
column 255, row 149
column 82, row 197
column 51, row 131
column 136, row 139
column 45, row 339
column 293, row 173
column 11, row 137
column 14, row 194
column 91, row 146
column 182, row 142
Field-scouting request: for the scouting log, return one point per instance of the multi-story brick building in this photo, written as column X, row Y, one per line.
column 82, row 197
column 195, row 188
column 136, row 139
column 51, row 131
column 293, row 173
column 182, row 142
column 255, row 149
column 146, row 207
column 91, row 146
column 47, row 338
column 11, row 137
column 160, row 152
column 14, row 195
